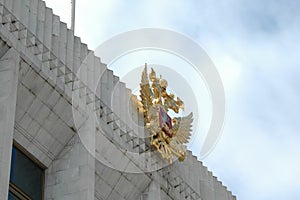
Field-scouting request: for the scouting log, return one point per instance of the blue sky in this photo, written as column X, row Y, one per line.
column 255, row 46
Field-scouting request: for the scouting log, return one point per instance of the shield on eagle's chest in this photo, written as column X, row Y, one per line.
column 165, row 121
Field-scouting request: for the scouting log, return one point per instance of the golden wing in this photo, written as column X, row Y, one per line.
column 182, row 129
column 146, row 94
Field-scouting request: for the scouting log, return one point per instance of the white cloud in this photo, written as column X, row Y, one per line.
column 62, row 9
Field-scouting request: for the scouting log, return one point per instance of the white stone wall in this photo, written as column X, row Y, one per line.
column 72, row 174
column 9, row 67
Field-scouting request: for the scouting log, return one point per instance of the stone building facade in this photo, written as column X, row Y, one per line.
column 59, row 116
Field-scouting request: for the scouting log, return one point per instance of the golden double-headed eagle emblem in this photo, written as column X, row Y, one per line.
column 168, row 135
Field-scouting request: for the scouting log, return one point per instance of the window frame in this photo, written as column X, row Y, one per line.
column 13, row 188
column 18, row 192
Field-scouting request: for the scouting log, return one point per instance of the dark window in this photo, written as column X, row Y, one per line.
column 26, row 177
